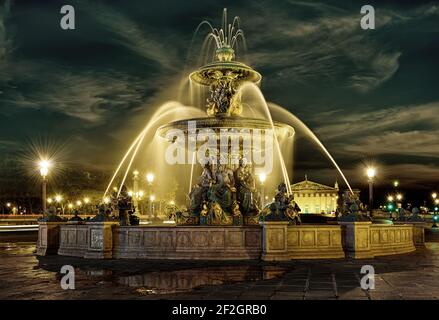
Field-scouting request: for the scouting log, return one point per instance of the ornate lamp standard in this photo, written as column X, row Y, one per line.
column 262, row 178
column 150, row 180
column 399, row 197
column 44, row 171
column 86, row 202
column 136, row 190
column 58, row 199
column 371, row 172
column 151, row 206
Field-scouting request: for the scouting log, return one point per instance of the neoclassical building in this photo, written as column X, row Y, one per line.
column 313, row 197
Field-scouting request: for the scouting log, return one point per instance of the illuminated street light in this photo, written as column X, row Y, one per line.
column 399, row 197
column 371, row 172
column 58, row 198
column 106, row 200
column 262, row 178
column 78, row 203
column 49, row 201
column 151, row 204
column 44, row 171
column 136, row 190
column 150, row 178
column 44, row 168
column 434, row 195
column 396, row 183
column 390, row 198
column 86, row 200
column 8, row 204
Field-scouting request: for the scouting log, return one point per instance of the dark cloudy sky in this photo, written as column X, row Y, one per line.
column 368, row 95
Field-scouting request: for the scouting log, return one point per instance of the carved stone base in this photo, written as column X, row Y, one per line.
column 100, row 244
column 356, row 239
column 418, row 232
column 275, row 241
column 187, row 243
column 73, row 239
column 48, row 238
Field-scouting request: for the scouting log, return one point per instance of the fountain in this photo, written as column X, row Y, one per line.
column 218, row 151
column 225, row 192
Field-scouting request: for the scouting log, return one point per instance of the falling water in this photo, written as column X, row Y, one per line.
column 192, row 172
column 167, row 112
column 287, row 117
column 255, row 90
column 295, row 121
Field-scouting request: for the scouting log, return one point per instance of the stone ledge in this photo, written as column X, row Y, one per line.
column 272, row 241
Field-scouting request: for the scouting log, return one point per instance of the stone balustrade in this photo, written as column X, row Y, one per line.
column 391, row 239
column 315, row 242
column 271, row 241
column 186, row 242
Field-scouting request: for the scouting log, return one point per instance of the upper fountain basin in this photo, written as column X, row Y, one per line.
column 236, row 71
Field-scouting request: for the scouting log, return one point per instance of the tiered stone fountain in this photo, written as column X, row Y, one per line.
column 224, row 220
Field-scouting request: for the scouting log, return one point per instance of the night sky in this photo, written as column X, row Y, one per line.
column 369, row 95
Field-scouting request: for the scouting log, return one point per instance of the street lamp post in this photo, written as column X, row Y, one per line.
column 136, row 189
column 86, row 207
column 44, row 170
column 262, row 178
column 150, row 180
column 151, row 204
column 371, row 172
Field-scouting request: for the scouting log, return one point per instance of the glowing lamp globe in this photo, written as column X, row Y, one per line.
column 44, row 167
column 150, row 177
column 371, row 173
column 262, row 177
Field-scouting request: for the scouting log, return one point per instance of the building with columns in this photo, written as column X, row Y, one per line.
column 313, row 197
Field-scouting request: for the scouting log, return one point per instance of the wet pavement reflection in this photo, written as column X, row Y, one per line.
column 26, row 276
column 185, row 280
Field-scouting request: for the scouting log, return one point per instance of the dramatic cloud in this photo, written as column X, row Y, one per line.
column 364, row 92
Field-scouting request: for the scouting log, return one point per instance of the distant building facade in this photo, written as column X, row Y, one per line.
column 313, row 197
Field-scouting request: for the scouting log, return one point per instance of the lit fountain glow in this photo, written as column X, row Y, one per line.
column 224, row 151
column 225, row 146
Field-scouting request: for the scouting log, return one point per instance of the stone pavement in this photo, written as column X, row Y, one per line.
column 24, row 276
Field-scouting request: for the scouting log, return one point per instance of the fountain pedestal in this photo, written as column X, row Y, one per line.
column 100, row 244
column 48, row 238
column 357, row 239
column 274, row 241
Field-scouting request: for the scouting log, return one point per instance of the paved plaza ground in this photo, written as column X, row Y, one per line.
column 25, row 276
